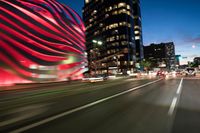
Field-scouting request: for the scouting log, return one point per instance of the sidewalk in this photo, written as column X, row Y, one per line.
column 20, row 87
column 28, row 86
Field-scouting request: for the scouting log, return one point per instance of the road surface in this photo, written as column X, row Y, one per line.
column 121, row 106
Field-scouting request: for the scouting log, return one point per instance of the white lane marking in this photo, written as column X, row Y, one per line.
column 172, row 107
column 175, row 99
column 78, row 109
column 179, row 87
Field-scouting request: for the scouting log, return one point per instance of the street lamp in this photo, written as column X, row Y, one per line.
column 117, row 62
column 96, row 43
column 99, row 43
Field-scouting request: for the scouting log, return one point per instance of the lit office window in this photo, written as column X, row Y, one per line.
column 121, row 5
column 137, row 32
column 117, row 37
column 95, row 11
column 96, row 33
column 87, row 1
column 107, row 39
column 136, row 27
column 128, row 13
column 114, row 13
column 115, row 7
column 131, row 62
column 122, row 11
column 124, row 24
column 115, row 25
column 112, row 38
column 124, row 43
column 110, row 8
column 90, row 20
column 101, row 25
column 107, row 15
column 137, row 37
column 123, row 36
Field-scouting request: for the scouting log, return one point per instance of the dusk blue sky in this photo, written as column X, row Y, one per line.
column 167, row 20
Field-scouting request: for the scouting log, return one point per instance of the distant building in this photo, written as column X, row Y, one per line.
column 197, row 60
column 177, row 60
column 112, row 38
column 161, row 55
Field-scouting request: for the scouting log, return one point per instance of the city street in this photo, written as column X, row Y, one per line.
column 115, row 106
column 99, row 66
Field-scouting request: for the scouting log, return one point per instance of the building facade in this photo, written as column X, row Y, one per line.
column 177, row 60
column 161, row 55
column 197, row 62
column 40, row 41
column 110, row 36
column 138, row 30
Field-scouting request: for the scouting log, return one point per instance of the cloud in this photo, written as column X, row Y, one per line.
column 193, row 56
column 194, row 40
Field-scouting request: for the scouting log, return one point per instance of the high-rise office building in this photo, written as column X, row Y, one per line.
column 138, row 30
column 161, row 55
column 110, row 35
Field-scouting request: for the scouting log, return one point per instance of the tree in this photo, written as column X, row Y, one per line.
column 193, row 64
column 146, row 64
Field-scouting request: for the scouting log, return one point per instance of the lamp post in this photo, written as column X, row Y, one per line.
column 117, row 62
column 96, row 44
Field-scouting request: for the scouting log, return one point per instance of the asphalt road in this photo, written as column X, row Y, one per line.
column 187, row 119
column 122, row 106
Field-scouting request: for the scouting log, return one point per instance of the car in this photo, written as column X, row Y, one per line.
column 190, row 72
column 152, row 73
column 135, row 74
column 161, row 74
column 179, row 72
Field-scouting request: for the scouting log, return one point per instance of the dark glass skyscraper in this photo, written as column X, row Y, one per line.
column 110, row 35
column 138, row 30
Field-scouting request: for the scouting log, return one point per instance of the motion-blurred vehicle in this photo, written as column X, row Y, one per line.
column 93, row 79
column 179, row 72
column 134, row 74
column 97, row 78
column 161, row 74
column 152, row 73
column 190, row 72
